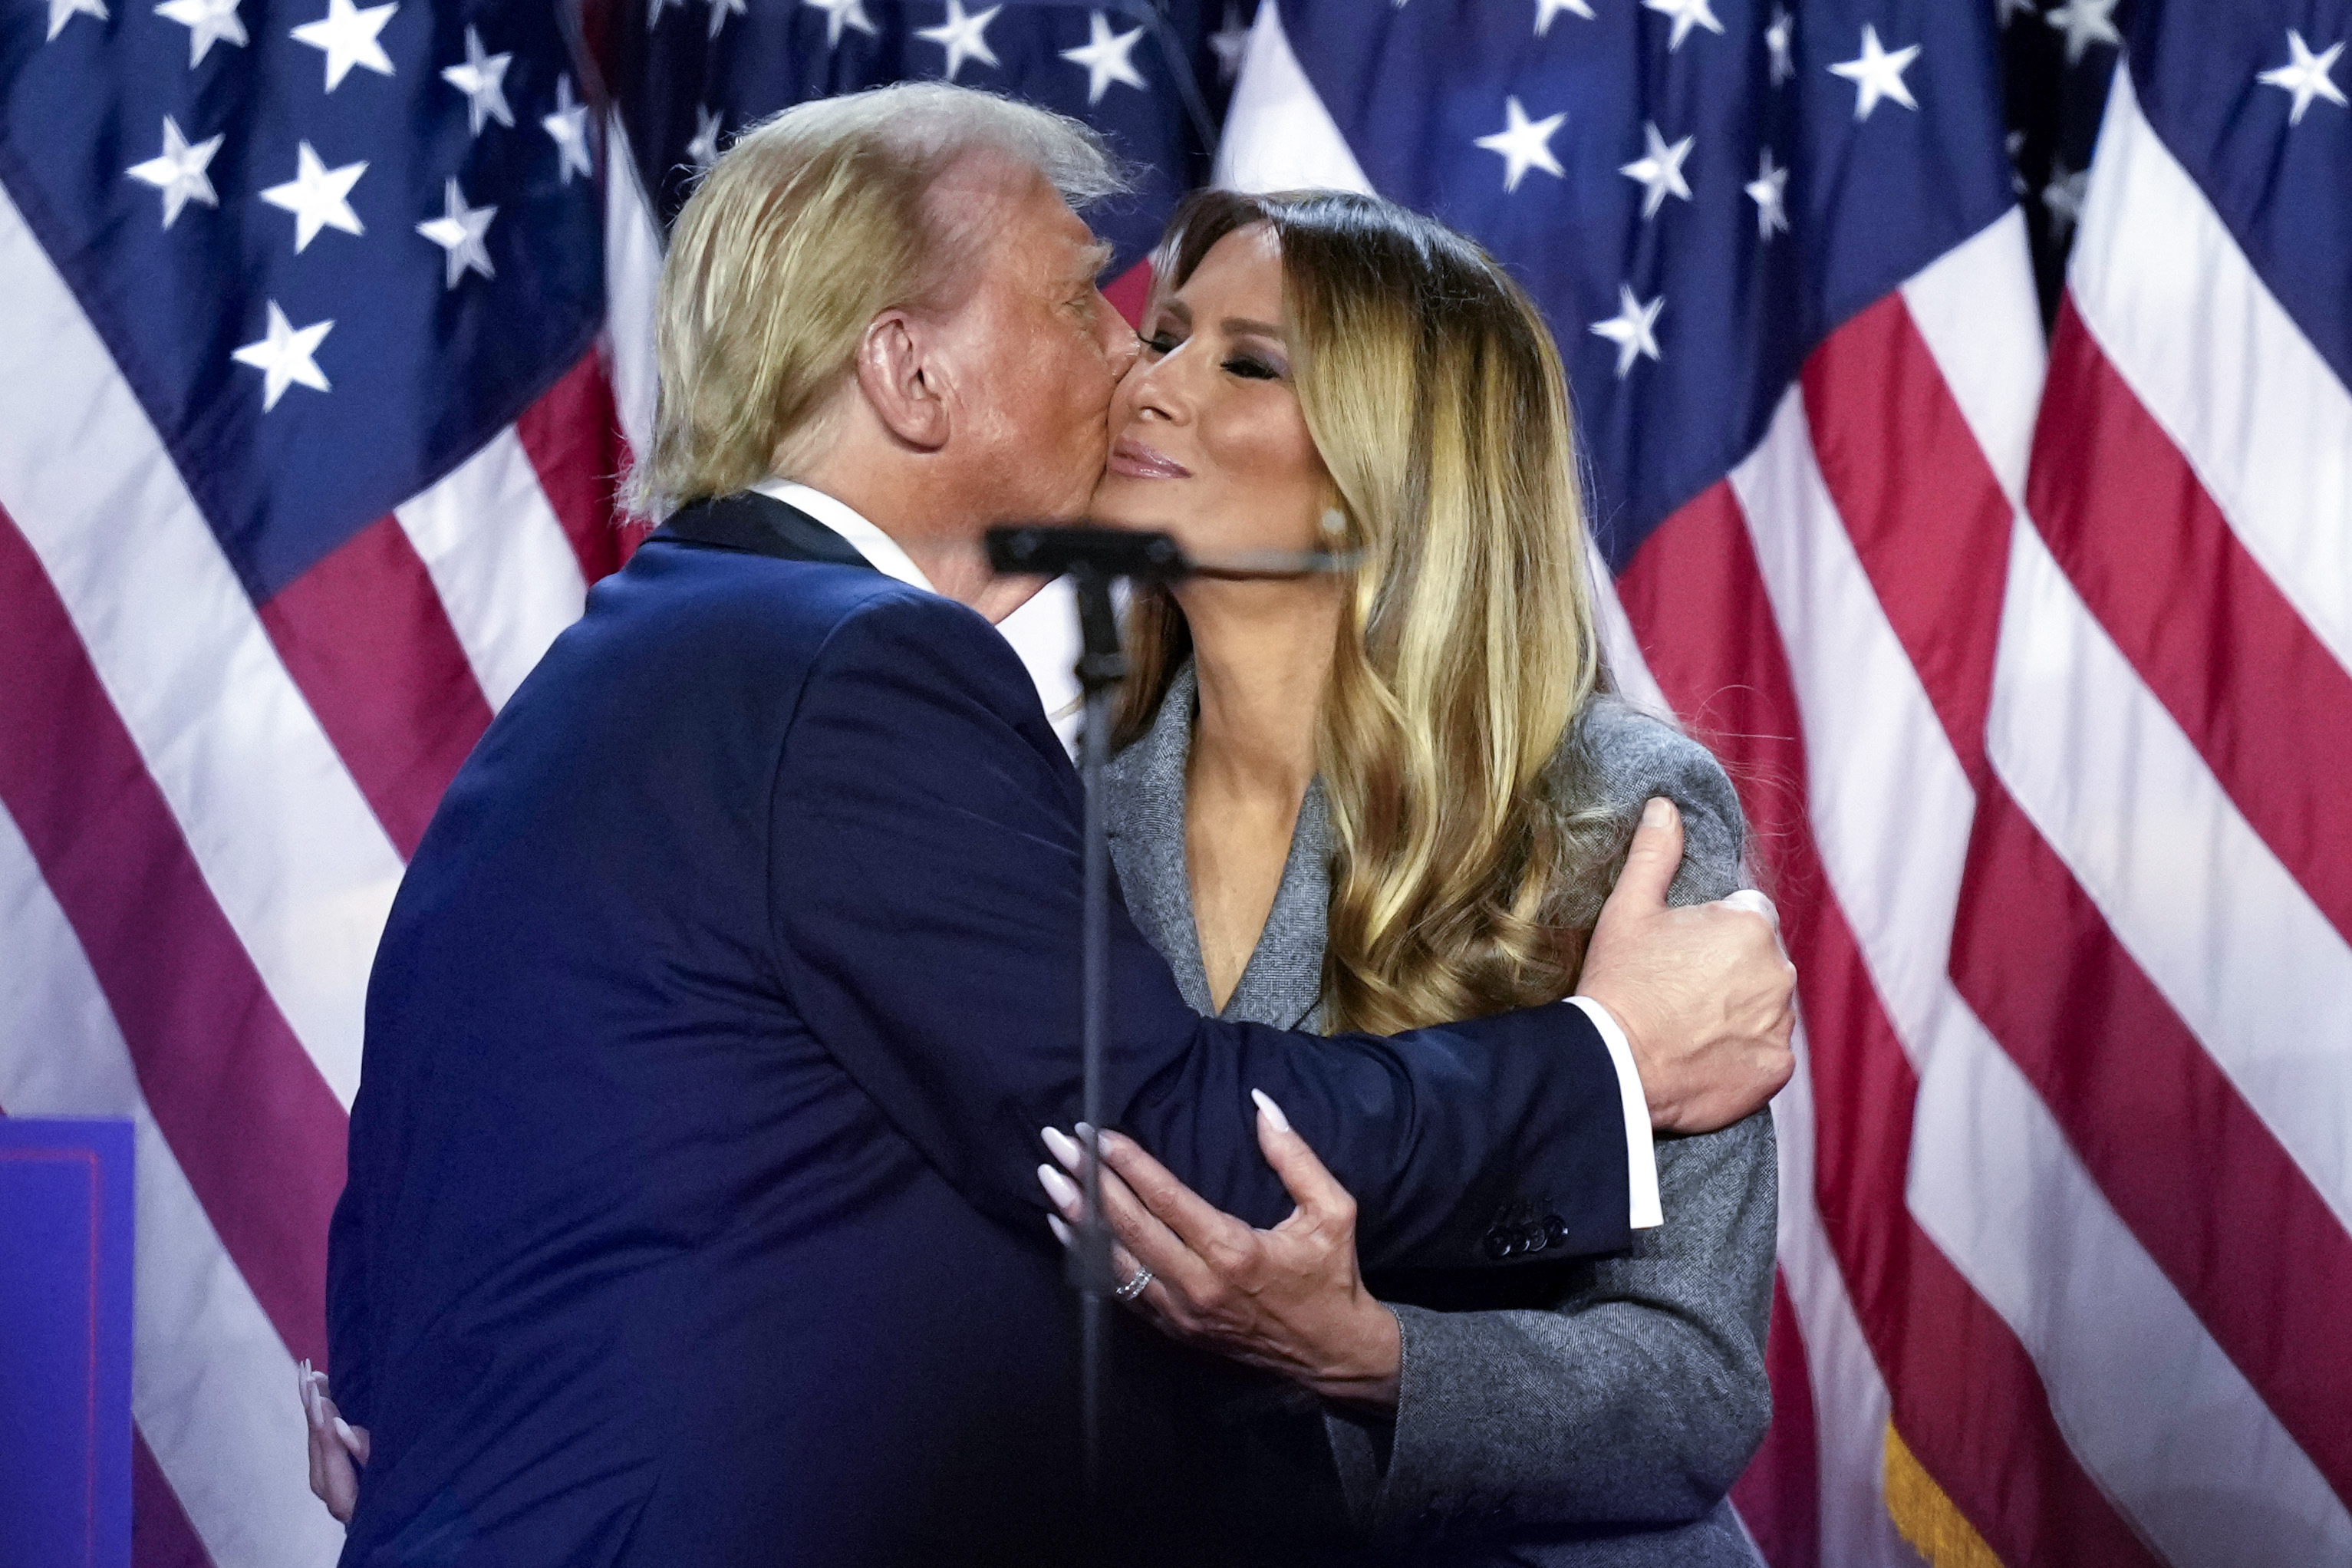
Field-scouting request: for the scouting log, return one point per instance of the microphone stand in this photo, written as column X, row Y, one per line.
column 1094, row 558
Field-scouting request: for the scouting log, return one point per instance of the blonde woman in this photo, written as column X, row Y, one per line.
column 1376, row 801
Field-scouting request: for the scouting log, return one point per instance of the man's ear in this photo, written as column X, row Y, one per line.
column 898, row 374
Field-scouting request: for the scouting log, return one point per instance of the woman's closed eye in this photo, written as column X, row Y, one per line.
column 1160, row 344
column 1250, row 367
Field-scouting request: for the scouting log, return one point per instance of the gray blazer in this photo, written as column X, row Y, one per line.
column 1593, row 1413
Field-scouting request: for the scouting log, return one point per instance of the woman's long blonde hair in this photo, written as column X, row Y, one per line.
column 1437, row 399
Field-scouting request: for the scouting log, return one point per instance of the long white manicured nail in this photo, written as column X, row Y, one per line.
column 1062, row 1233
column 344, row 1431
column 1059, row 1187
column 1065, row 1147
column 1273, row 1112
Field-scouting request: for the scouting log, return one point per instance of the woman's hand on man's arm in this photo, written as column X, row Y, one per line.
column 337, row 1448
column 1289, row 1300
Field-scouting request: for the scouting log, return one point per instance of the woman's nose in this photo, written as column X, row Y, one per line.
column 1155, row 388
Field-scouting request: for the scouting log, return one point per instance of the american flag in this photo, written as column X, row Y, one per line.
column 305, row 452
column 2033, row 721
column 2036, row 720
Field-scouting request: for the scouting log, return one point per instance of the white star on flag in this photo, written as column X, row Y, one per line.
column 348, row 38
column 1769, row 190
column 704, row 149
column 1776, row 38
column 482, row 78
column 720, row 10
column 458, row 232
column 208, row 22
column 1688, row 14
column 2084, row 23
column 317, row 197
column 840, row 14
column 64, row 10
column 654, row 11
column 1228, row 42
column 1524, row 143
column 2009, row 8
column 1630, row 329
column 1877, row 74
column 1659, row 171
column 1104, row 55
column 2062, row 198
column 1547, row 9
column 963, row 35
column 283, row 357
column 178, row 171
column 569, row 126
column 2306, row 75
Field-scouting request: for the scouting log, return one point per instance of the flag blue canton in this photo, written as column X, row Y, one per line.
column 1149, row 77
column 1696, row 192
column 2251, row 97
column 333, row 249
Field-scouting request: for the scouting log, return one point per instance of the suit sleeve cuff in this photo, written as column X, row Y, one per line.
column 1641, row 1156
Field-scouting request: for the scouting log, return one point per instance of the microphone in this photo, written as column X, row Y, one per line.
column 1092, row 556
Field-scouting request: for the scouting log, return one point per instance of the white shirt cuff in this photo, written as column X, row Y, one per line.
column 1641, row 1157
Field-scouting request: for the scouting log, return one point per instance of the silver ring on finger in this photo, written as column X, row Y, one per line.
column 1133, row 1288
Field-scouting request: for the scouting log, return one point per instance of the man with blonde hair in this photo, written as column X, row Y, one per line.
column 691, row 1217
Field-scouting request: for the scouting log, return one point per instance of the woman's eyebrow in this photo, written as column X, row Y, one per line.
column 1241, row 326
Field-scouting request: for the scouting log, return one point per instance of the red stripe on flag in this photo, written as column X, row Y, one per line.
column 2263, row 700
column 1922, row 505
column 161, row 1533
column 2172, row 1144
column 364, row 635
column 2199, row 1178
column 1129, row 291
column 1966, row 1398
column 253, row 1126
column 1779, row 1496
column 572, row 434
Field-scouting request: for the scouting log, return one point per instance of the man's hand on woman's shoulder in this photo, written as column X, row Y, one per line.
column 1704, row 992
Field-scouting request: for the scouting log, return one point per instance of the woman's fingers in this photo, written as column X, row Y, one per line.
column 1140, row 1240
column 1322, row 1201
column 1205, row 1229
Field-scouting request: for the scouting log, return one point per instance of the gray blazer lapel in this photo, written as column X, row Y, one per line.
column 1146, row 809
column 1282, row 981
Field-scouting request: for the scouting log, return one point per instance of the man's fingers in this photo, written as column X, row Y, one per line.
column 1651, row 864
column 1309, row 1183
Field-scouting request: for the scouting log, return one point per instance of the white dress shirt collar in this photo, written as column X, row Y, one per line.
column 881, row 551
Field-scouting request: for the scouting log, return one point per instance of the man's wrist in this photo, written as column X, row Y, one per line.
column 1643, row 1208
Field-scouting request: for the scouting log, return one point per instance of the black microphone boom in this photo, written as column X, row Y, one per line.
column 1050, row 550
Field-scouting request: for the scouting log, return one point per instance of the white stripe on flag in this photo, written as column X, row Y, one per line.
column 499, row 561
column 1851, row 1405
column 633, row 261
column 289, row 849
column 2218, row 925
column 1975, row 308
column 1279, row 136
column 212, row 1384
column 2219, row 365
column 1994, row 1181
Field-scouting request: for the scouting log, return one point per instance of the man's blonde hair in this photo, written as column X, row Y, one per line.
column 816, row 221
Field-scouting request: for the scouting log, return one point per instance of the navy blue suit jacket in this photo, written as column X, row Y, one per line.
column 692, row 1215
